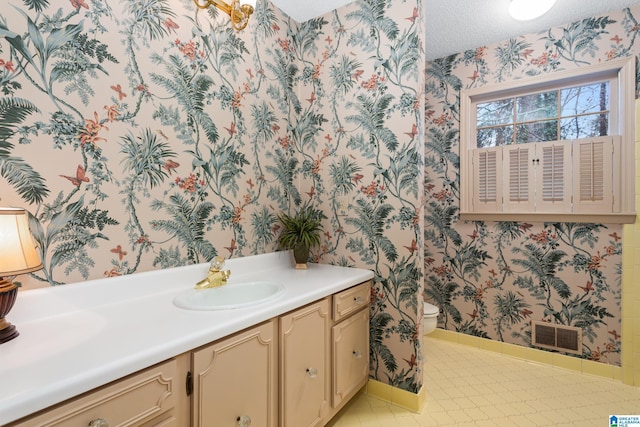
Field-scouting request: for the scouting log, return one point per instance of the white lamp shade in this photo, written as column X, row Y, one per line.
column 251, row 3
column 524, row 10
column 18, row 254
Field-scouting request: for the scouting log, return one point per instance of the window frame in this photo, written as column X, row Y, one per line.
column 621, row 74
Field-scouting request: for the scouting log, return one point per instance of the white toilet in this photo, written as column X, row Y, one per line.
column 430, row 318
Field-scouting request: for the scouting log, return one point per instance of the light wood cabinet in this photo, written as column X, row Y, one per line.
column 324, row 357
column 153, row 397
column 296, row 370
column 349, row 344
column 235, row 381
column 305, row 365
column 350, row 357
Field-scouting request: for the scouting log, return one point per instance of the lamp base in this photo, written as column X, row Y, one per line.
column 8, row 295
column 7, row 333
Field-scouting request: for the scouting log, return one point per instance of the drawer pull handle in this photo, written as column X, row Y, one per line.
column 244, row 421
column 357, row 354
column 358, row 300
column 98, row 422
column 312, row 372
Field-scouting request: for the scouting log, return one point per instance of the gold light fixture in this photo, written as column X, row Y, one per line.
column 18, row 255
column 239, row 13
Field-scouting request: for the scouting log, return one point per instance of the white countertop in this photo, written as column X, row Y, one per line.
column 77, row 337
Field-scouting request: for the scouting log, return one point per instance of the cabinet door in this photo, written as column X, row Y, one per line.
column 350, row 356
column 235, row 380
column 304, row 365
column 145, row 398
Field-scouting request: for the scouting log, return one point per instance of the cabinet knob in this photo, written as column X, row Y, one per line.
column 98, row 422
column 312, row 372
column 358, row 300
column 357, row 354
column 244, row 421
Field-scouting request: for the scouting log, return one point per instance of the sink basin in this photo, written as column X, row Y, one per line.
column 231, row 295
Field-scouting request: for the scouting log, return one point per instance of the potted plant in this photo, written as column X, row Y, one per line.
column 301, row 232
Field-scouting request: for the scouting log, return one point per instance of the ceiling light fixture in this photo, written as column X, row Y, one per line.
column 525, row 10
column 238, row 13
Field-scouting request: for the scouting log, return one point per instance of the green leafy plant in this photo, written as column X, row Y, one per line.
column 301, row 229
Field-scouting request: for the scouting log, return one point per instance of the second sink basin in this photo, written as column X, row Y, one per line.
column 228, row 296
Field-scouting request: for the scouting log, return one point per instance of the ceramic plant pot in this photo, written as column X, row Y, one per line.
column 301, row 255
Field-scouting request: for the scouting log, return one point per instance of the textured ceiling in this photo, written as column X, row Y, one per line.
column 454, row 26
column 303, row 10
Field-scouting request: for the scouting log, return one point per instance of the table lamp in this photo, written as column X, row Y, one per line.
column 18, row 255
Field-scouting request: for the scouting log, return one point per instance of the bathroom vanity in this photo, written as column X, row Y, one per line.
column 117, row 351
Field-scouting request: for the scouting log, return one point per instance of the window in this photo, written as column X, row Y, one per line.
column 558, row 147
column 559, row 114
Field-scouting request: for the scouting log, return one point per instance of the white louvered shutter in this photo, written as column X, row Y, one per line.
column 518, row 178
column 486, row 179
column 554, row 176
column 593, row 160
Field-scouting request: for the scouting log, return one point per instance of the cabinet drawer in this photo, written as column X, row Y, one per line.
column 351, row 300
column 133, row 401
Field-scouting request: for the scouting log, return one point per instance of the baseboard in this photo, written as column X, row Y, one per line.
column 402, row 398
column 532, row 354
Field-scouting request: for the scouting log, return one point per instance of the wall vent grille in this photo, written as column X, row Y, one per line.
column 556, row 337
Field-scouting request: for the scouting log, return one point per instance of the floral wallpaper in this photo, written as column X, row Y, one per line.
column 490, row 279
column 147, row 134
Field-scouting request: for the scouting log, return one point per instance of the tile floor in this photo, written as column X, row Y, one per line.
column 466, row 386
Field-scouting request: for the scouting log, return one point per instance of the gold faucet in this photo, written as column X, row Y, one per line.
column 216, row 276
